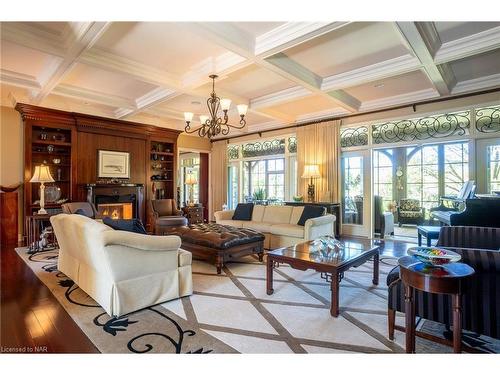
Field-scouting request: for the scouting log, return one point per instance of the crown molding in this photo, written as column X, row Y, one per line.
column 477, row 84
column 31, row 36
column 398, row 99
column 9, row 77
column 469, row 45
column 321, row 115
column 383, row 69
column 279, row 97
column 291, row 34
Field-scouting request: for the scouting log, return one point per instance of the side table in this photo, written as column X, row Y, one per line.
column 194, row 214
column 34, row 226
column 445, row 279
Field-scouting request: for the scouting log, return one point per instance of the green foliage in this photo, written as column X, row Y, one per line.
column 259, row 194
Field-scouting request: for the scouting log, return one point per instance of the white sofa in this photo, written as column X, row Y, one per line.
column 122, row 271
column 279, row 224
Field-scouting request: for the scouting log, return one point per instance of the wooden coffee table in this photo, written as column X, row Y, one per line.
column 303, row 256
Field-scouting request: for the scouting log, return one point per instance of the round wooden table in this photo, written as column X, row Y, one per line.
column 445, row 279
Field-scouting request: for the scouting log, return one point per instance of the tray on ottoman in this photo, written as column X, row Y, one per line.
column 220, row 243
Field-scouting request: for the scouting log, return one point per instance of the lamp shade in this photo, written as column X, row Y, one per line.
column 203, row 119
column 242, row 109
column 311, row 171
column 42, row 174
column 191, row 179
column 225, row 104
column 188, row 116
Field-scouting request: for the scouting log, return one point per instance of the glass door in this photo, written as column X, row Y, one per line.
column 356, row 192
column 488, row 165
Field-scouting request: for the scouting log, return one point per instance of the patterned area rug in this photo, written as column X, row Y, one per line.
column 231, row 313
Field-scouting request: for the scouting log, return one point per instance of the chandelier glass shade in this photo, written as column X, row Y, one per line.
column 213, row 124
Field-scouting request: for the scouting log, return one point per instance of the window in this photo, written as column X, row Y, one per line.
column 493, row 173
column 383, row 176
column 352, row 190
column 263, row 171
column 264, row 179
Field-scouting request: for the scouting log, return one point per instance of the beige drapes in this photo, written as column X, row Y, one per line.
column 218, row 177
column 320, row 144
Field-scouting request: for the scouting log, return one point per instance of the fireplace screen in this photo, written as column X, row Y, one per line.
column 115, row 210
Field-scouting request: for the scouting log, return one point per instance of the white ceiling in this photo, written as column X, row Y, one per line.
column 285, row 72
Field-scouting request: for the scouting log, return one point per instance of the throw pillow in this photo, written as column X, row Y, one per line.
column 310, row 212
column 129, row 225
column 80, row 211
column 243, row 212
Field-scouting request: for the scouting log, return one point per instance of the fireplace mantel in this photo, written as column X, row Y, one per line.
column 121, row 193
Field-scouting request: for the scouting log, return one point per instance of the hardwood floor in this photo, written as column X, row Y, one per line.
column 33, row 320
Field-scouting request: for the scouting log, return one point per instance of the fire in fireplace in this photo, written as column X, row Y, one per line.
column 116, row 210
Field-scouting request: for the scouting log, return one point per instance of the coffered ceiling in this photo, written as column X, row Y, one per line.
column 285, row 71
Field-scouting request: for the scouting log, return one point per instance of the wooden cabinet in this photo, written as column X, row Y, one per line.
column 194, row 214
column 75, row 140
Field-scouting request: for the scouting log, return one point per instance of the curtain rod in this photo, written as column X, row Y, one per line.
column 414, row 105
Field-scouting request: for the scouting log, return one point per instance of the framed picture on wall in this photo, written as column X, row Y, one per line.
column 113, row 164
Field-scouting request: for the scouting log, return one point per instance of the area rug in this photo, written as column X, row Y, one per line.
column 231, row 313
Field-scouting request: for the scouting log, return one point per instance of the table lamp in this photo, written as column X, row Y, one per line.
column 191, row 180
column 311, row 171
column 42, row 175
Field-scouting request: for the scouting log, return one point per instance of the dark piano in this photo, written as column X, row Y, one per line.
column 469, row 212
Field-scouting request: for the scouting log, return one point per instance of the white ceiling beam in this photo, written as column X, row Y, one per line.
column 92, row 96
column 279, row 63
column 145, row 73
column 384, row 69
column 19, row 80
column 391, row 101
column 470, row 45
column 81, row 42
column 477, row 84
column 283, row 96
column 291, row 34
column 423, row 40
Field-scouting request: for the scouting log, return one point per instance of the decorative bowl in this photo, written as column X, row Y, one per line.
column 298, row 198
column 433, row 255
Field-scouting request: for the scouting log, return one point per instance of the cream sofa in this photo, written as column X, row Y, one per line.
column 122, row 271
column 279, row 224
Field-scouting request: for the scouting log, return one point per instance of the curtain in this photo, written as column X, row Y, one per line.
column 320, row 144
column 218, row 177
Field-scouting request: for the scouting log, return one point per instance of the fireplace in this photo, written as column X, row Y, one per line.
column 117, row 201
column 116, row 210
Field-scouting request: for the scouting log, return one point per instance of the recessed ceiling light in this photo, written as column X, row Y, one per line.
column 379, row 85
column 195, row 102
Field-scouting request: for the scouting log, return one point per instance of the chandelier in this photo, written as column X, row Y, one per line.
column 214, row 125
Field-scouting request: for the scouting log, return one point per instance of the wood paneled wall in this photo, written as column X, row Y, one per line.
column 90, row 143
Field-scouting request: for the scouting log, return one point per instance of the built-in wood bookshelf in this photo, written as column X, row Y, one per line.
column 162, row 169
column 50, row 143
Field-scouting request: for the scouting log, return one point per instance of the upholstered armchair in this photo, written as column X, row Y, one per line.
column 479, row 248
column 86, row 208
column 410, row 212
column 166, row 214
column 121, row 271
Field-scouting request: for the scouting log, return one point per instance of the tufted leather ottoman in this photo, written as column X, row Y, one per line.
column 219, row 243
